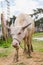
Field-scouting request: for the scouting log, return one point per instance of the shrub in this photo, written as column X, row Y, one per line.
column 6, row 43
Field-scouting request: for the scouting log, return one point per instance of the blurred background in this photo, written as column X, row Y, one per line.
column 9, row 10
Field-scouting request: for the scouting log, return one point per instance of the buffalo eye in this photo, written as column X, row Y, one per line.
column 19, row 33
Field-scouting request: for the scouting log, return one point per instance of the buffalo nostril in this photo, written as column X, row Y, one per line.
column 14, row 45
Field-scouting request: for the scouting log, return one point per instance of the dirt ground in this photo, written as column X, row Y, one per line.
column 37, row 59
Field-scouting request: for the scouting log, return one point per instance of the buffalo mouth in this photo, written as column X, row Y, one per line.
column 15, row 45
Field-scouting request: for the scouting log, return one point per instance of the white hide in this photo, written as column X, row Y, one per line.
column 26, row 19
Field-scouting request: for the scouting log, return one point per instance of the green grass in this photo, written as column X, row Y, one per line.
column 37, row 45
column 38, row 34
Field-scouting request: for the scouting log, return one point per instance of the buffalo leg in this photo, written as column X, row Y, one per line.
column 31, row 43
column 25, row 41
column 17, row 49
column 16, row 55
column 29, row 46
column 29, row 52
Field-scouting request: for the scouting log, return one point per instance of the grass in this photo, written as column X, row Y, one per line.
column 38, row 34
column 5, row 52
column 37, row 45
column 6, row 43
column 6, row 46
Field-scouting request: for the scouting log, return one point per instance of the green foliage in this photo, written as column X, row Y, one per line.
column 38, row 22
column 6, row 43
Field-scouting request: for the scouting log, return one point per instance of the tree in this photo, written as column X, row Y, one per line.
column 37, row 11
column 38, row 21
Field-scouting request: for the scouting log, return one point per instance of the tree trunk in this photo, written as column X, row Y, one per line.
column 4, row 30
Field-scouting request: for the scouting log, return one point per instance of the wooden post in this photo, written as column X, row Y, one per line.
column 4, row 30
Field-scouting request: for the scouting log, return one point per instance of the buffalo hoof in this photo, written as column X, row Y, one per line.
column 15, row 60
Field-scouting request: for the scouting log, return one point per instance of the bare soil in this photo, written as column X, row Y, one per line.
column 37, row 58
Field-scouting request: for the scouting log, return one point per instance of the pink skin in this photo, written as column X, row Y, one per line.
column 15, row 43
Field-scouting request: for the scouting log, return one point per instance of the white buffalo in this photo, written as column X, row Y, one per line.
column 22, row 29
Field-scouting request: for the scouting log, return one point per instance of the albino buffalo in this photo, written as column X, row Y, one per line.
column 22, row 29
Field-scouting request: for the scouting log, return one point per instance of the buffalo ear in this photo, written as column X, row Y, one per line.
column 26, row 26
